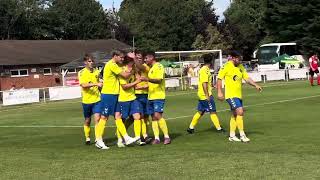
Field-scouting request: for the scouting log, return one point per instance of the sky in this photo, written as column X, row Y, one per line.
column 220, row 5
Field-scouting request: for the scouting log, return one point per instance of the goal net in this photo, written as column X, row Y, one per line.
column 182, row 67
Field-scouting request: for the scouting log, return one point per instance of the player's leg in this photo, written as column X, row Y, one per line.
column 311, row 73
column 158, row 108
column 145, row 118
column 233, row 127
column 239, row 120
column 240, row 126
column 87, row 111
column 154, row 123
column 195, row 120
column 123, row 111
column 234, row 104
column 120, row 142
column 135, row 112
column 145, row 122
column 137, row 128
column 213, row 115
column 107, row 104
column 86, row 130
column 96, row 110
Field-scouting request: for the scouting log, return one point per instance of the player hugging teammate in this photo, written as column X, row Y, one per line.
column 133, row 88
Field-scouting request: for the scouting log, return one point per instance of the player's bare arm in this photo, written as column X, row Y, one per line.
column 89, row 85
column 130, row 85
column 252, row 83
column 220, row 93
column 205, row 90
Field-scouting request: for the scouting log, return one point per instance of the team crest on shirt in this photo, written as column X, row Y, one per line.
column 235, row 78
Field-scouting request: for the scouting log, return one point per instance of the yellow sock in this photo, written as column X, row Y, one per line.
column 137, row 128
column 163, row 127
column 195, row 120
column 215, row 120
column 155, row 128
column 239, row 121
column 233, row 126
column 119, row 136
column 86, row 130
column 120, row 126
column 100, row 128
column 144, row 128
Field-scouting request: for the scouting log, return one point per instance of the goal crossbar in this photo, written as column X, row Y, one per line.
column 189, row 52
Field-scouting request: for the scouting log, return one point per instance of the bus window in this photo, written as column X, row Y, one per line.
column 289, row 50
column 266, row 53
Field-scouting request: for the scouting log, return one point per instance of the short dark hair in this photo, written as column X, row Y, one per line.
column 117, row 52
column 127, row 59
column 137, row 51
column 235, row 54
column 87, row 56
column 151, row 53
column 207, row 58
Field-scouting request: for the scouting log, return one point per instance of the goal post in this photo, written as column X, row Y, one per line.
column 178, row 53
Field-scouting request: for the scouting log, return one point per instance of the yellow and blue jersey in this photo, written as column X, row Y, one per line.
column 204, row 77
column 110, row 78
column 157, row 91
column 126, row 94
column 233, row 76
column 89, row 95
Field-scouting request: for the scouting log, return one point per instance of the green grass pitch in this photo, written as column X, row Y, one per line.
column 282, row 122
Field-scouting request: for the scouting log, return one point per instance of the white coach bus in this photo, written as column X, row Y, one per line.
column 266, row 52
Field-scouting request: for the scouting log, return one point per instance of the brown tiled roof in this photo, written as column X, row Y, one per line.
column 21, row 52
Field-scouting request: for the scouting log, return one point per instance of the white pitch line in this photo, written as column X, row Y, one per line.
column 179, row 117
column 261, row 104
column 269, row 85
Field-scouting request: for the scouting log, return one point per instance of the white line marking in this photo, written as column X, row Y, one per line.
column 261, row 104
column 179, row 117
column 266, row 86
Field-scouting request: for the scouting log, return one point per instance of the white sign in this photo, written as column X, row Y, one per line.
column 61, row 93
column 172, row 82
column 20, row 96
column 194, row 81
column 298, row 73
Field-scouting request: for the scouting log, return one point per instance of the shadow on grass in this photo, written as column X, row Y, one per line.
column 113, row 141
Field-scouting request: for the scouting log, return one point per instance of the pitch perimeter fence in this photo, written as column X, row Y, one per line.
column 41, row 95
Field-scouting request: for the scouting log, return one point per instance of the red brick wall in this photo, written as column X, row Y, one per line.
column 31, row 81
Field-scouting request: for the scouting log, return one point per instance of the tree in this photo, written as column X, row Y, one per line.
column 166, row 24
column 118, row 29
column 23, row 19
column 78, row 19
column 213, row 39
column 294, row 21
column 243, row 21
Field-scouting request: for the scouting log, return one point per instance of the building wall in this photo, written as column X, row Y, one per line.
column 35, row 78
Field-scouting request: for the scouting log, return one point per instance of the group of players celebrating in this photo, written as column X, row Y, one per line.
column 133, row 88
